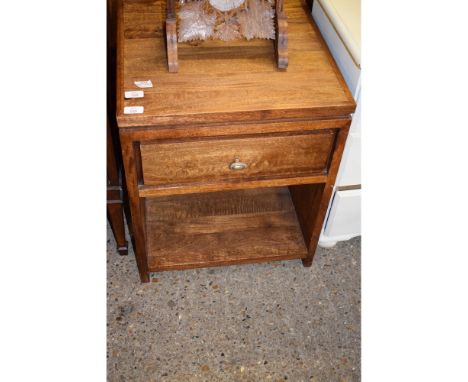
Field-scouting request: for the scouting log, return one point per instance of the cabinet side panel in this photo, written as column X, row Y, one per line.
column 306, row 199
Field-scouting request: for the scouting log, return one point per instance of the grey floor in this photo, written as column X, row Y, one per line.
column 263, row 322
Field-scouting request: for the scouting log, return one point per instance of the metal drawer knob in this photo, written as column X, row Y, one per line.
column 237, row 165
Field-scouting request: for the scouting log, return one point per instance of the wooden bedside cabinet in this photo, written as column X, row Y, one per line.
column 232, row 160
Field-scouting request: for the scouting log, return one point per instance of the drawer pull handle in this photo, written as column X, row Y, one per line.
column 237, row 165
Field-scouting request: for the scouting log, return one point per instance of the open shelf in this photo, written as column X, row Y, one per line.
column 220, row 228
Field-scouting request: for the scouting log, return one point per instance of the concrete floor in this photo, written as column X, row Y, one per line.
column 263, row 322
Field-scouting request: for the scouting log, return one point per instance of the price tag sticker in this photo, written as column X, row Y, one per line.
column 144, row 84
column 134, row 94
column 134, row 109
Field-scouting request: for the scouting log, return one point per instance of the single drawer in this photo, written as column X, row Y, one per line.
column 231, row 159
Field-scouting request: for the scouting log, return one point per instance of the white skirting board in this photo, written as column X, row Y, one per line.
column 344, row 218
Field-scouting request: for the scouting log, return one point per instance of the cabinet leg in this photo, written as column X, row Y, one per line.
column 131, row 155
column 311, row 201
column 307, row 262
column 144, row 277
column 116, row 219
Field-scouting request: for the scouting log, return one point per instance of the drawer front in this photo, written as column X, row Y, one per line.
column 230, row 159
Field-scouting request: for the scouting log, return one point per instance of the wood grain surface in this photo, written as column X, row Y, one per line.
column 227, row 101
column 281, row 42
column 214, row 185
column 266, row 156
column 222, row 228
column 171, row 37
column 313, row 228
column 115, row 186
column 306, row 199
column 220, row 82
column 137, row 205
column 115, row 193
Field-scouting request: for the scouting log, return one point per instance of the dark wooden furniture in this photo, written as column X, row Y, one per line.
column 232, row 161
column 115, row 195
column 115, row 184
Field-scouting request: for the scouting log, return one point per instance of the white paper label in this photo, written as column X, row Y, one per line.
column 134, row 109
column 135, row 94
column 144, row 84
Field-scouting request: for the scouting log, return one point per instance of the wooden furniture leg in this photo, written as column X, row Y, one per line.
column 171, row 38
column 115, row 194
column 315, row 197
column 281, row 42
column 326, row 195
column 137, row 204
column 115, row 214
column 207, row 180
column 115, row 187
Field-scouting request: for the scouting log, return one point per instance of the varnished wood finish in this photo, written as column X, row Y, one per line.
column 115, row 186
column 136, row 206
column 222, row 228
column 219, row 83
column 115, row 195
column 212, row 186
column 290, row 127
column 281, row 42
column 307, row 199
column 316, row 220
column 115, row 215
column 171, row 38
column 266, row 156
column 234, row 128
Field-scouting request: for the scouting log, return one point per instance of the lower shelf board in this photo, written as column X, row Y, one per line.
column 220, row 228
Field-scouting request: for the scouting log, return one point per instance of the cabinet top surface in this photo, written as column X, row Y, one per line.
column 225, row 82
